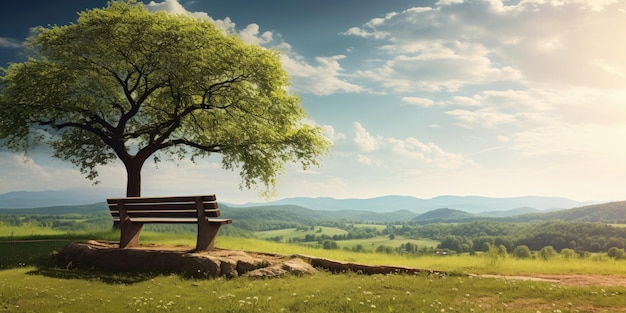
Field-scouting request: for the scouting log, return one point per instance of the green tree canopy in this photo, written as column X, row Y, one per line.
column 125, row 83
column 522, row 252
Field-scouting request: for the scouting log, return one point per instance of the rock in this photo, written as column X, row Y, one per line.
column 108, row 256
column 342, row 267
column 294, row 266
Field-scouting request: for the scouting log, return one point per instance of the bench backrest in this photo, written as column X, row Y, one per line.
column 167, row 209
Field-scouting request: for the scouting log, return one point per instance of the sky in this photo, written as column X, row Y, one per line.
column 496, row 98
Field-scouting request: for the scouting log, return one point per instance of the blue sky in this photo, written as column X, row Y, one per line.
column 422, row 98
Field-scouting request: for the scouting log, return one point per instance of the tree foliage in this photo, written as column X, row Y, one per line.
column 547, row 252
column 616, row 253
column 124, row 83
column 522, row 252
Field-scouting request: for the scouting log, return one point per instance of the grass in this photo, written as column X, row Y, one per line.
column 373, row 243
column 28, row 231
column 30, row 283
column 367, row 244
column 294, row 233
column 599, row 264
column 23, row 291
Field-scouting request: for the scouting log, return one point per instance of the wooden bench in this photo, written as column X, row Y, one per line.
column 132, row 213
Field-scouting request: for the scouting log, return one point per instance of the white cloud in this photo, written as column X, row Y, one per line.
column 574, row 141
column 411, row 149
column 533, row 108
column 330, row 134
column 250, row 34
column 467, row 101
column 364, row 140
column 321, row 79
column 405, row 154
column 20, row 172
column 461, row 43
column 9, row 43
column 174, row 7
column 421, row 102
column 356, row 31
column 481, row 118
column 448, row 2
column 438, row 67
column 363, row 159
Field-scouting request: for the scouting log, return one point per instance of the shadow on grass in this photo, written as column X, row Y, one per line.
column 32, row 253
column 91, row 275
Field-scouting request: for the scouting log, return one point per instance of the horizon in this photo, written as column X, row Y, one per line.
column 92, row 193
column 422, row 98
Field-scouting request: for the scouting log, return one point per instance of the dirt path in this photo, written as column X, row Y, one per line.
column 569, row 279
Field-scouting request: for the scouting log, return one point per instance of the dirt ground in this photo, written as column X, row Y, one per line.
column 570, row 279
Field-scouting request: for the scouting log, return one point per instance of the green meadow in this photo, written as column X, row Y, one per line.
column 368, row 244
column 30, row 281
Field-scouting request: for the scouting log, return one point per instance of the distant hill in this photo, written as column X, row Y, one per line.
column 62, row 209
column 612, row 212
column 37, row 199
column 470, row 204
column 443, row 215
column 292, row 213
column 513, row 212
column 385, row 204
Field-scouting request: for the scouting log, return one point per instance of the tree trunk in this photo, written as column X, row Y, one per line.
column 133, row 181
column 133, row 174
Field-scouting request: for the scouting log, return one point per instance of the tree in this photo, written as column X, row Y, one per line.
column 522, row 252
column 330, row 245
column 568, row 253
column 495, row 254
column 124, row 83
column 547, row 252
column 616, row 253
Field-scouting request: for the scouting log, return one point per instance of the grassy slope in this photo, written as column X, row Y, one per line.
column 33, row 286
column 323, row 292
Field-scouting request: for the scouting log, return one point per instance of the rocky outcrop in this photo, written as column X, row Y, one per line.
column 107, row 256
column 157, row 259
column 342, row 267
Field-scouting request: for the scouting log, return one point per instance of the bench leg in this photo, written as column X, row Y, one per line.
column 207, row 232
column 130, row 234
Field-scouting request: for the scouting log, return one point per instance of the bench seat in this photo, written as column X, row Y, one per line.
column 132, row 212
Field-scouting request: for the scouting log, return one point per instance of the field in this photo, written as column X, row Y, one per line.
column 29, row 282
column 293, row 232
column 368, row 244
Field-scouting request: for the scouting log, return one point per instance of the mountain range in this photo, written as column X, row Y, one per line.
column 35, row 199
column 471, row 204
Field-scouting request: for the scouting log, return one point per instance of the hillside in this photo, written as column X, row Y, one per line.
column 611, row 212
column 61, row 209
column 443, row 215
column 283, row 216
column 512, row 212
